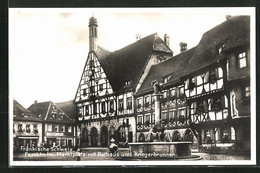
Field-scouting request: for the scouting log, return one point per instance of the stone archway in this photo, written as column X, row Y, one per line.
column 188, row 136
column 104, row 136
column 141, row 138
column 94, row 137
column 84, row 138
column 176, row 136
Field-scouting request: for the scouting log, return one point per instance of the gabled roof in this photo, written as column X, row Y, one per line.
column 69, row 108
column 21, row 113
column 49, row 111
column 128, row 63
column 172, row 68
column 233, row 33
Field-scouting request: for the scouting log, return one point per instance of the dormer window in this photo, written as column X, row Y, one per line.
column 220, row 48
column 128, row 82
column 242, row 60
column 166, row 79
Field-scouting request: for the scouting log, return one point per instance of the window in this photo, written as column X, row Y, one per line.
column 225, row 135
column 153, row 118
column 192, row 83
column 164, row 117
column 87, row 110
column 63, row 142
column 54, row 108
column 49, row 127
column 62, row 128
column 247, row 91
column 182, row 116
column 139, row 103
column 112, row 106
column 20, row 128
column 58, row 142
column 208, row 136
column 139, row 120
column 220, row 48
column 91, row 63
column 84, row 92
column 28, row 129
column 166, row 79
column 181, row 91
column 129, row 103
column 101, row 87
column 92, row 89
column 213, row 75
column 146, row 101
column 233, row 133
column 95, row 108
column 103, row 106
column 56, row 128
column 69, row 129
column 242, row 60
column 147, row 119
column 172, row 92
column 171, row 116
column 35, row 128
column 165, row 94
column 128, row 82
column 121, row 105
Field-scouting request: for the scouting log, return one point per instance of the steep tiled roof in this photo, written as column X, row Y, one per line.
column 48, row 111
column 128, row 63
column 21, row 113
column 172, row 68
column 69, row 108
column 40, row 109
column 232, row 33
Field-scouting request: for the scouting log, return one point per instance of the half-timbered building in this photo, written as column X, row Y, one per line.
column 104, row 99
column 58, row 129
column 206, row 90
column 27, row 128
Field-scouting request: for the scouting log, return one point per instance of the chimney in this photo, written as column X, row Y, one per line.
column 138, row 37
column 228, row 17
column 183, row 46
column 167, row 39
column 35, row 102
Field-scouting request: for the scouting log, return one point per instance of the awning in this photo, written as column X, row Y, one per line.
column 28, row 137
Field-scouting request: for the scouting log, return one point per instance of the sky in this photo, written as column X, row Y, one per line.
column 48, row 47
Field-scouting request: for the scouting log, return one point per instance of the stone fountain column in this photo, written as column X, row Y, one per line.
column 157, row 109
column 157, row 104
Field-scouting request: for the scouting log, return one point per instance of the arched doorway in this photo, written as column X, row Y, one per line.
column 94, row 137
column 176, row 136
column 188, row 136
column 141, row 138
column 84, row 138
column 104, row 136
column 112, row 134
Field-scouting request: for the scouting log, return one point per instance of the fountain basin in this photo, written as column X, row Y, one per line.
column 178, row 149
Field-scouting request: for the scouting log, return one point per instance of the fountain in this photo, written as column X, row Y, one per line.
column 155, row 146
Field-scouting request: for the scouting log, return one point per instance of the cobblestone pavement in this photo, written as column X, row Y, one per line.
column 91, row 154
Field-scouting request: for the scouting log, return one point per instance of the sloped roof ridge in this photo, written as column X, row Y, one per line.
column 142, row 39
column 62, row 111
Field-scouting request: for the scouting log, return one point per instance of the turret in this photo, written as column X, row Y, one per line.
column 92, row 34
